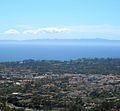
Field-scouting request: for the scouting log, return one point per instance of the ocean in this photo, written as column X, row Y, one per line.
column 23, row 51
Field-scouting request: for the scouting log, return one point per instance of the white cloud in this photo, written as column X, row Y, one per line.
column 89, row 30
column 11, row 32
column 83, row 29
column 47, row 30
column 99, row 29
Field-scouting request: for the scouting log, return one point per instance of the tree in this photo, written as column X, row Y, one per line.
column 76, row 105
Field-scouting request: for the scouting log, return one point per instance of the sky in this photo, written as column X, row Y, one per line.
column 59, row 19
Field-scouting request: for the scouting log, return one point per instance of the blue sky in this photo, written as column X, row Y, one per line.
column 60, row 19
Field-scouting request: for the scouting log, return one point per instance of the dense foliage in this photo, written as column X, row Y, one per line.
column 83, row 66
column 75, row 85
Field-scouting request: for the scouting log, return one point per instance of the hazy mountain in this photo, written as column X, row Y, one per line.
column 96, row 41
